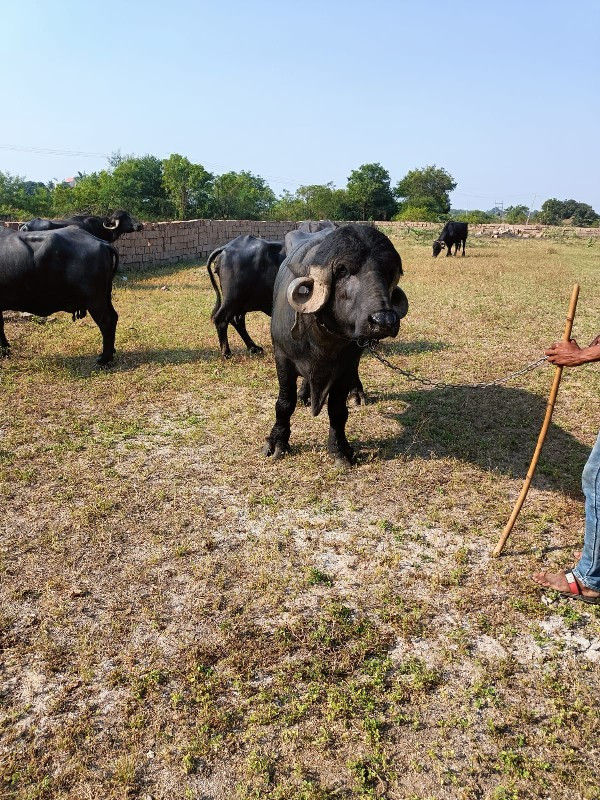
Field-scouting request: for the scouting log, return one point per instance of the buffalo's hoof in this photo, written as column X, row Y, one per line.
column 256, row 350
column 104, row 361
column 227, row 354
column 356, row 398
column 341, row 462
column 277, row 452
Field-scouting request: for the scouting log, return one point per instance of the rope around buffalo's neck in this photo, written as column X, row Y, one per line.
column 411, row 376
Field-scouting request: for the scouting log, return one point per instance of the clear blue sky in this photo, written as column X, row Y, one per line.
column 504, row 95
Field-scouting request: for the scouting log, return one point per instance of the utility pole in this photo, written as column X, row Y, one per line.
column 499, row 204
column 530, row 208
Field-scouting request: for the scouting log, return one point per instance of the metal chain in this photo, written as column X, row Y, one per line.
column 437, row 385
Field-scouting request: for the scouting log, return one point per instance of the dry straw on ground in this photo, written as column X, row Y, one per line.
column 182, row 618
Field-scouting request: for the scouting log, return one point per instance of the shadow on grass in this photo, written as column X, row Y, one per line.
column 495, row 428
column 128, row 360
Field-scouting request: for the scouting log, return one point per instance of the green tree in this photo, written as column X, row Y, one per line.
column 241, row 195
column 137, row 185
column 369, row 193
column 188, row 186
column 516, row 214
column 317, row 201
column 557, row 212
column 20, row 198
column 92, row 194
column 552, row 212
column 415, row 214
column 584, row 216
column 474, row 217
column 134, row 184
column 427, row 188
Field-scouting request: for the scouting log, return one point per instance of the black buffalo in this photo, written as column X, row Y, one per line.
column 61, row 270
column 332, row 295
column 246, row 268
column 107, row 228
column 453, row 233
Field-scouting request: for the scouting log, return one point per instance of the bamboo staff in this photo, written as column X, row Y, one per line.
column 543, row 432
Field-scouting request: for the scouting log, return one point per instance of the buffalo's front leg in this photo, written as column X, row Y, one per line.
column 338, row 446
column 106, row 319
column 278, row 441
column 4, row 345
column 239, row 323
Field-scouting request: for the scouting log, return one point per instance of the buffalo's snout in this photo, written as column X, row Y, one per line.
column 384, row 323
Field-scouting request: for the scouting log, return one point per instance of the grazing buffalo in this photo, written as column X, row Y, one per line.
column 453, row 233
column 60, row 270
column 107, row 228
column 332, row 294
column 246, row 267
column 312, row 226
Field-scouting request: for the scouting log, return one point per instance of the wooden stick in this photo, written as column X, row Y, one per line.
column 543, row 432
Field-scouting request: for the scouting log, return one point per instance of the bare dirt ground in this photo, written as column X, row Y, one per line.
column 182, row 618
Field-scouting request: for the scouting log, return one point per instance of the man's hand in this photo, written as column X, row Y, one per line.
column 569, row 354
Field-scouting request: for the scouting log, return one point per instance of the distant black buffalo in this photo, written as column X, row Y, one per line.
column 107, row 228
column 59, row 270
column 246, row 268
column 453, row 233
column 332, row 294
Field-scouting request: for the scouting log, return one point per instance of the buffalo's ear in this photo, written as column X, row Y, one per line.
column 399, row 302
column 308, row 294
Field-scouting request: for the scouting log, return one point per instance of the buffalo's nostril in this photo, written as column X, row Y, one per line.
column 384, row 319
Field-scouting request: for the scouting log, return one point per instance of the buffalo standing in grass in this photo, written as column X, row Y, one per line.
column 453, row 233
column 332, row 294
column 246, row 268
column 59, row 270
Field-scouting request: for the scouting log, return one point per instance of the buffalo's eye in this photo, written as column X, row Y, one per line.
column 341, row 271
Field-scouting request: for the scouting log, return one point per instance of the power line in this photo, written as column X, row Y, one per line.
column 51, row 152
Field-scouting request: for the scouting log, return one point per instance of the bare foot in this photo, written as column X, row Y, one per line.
column 558, row 581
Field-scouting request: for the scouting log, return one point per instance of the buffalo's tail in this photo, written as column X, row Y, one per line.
column 211, row 258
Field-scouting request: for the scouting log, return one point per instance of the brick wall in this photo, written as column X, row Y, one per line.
column 170, row 242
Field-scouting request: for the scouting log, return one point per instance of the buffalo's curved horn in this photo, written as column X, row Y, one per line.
column 309, row 294
column 399, row 302
column 112, row 227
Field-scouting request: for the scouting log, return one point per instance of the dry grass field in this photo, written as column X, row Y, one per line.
column 182, row 618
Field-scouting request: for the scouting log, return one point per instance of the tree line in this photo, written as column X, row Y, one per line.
column 175, row 188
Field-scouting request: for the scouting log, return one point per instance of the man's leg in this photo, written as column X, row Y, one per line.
column 587, row 571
